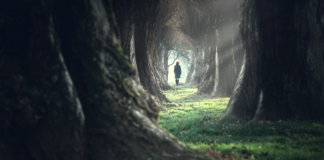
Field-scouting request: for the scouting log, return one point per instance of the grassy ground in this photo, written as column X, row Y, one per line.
column 195, row 120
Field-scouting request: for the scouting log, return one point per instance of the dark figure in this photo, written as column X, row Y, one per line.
column 177, row 72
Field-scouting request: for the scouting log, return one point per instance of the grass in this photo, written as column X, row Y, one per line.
column 195, row 120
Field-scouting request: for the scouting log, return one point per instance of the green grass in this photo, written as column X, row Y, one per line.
column 195, row 120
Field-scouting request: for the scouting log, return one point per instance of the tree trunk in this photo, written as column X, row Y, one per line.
column 144, row 60
column 41, row 114
column 163, row 67
column 191, row 69
column 166, row 64
column 238, row 54
column 145, row 48
column 226, row 66
column 125, row 23
column 198, row 70
column 158, row 64
column 284, row 62
column 207, row 84
column 66, row 90
column 133, row 55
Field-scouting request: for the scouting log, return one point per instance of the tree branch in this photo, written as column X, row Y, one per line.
column 174, row 60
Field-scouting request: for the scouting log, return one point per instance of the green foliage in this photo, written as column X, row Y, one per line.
column 195, row 120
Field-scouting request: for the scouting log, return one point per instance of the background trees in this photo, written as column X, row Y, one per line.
column 208, row 28
column 213, row 26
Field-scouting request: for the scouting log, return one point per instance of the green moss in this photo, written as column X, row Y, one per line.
column 195, row 120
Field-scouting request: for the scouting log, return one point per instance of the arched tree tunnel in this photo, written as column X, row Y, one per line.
column 84, row 79
column 206, row 29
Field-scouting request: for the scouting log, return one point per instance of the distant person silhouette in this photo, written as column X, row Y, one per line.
column 177, row 72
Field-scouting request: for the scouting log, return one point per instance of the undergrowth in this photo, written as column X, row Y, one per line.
column 195, row 120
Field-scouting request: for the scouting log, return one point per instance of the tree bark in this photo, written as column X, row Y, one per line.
column 209, row 77
column 226, row 67
column 133, row 55
column 162, row 69
column 41, row 114
column 145, row 47
column 198, row 70
column 166, row 63
column 125, row 22
column 144, row 60
column 284, row 72
column 191, row 68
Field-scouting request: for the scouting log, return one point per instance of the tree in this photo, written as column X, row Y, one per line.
column 213, row 26
column 67, row 90
column 209, row 80
column 228, row 60
column 41, row 113
column 194, row 25
column 198, row 67
column 139, row 24
column 283, row 71
column 161, row 66
column 222, row 37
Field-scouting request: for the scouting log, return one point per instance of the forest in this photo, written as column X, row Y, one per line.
column 97, row 79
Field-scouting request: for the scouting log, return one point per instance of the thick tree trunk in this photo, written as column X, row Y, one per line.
column 133, row 55
column 41, row 115
column 238, row 54
column 126, row 34
column 284, row 63
column 191, row 69
column 207, row 84
column 226, row 66
column 125, row 21
column 199, row 68
column 163, row 69
column 45, row 111
column 159, row 68
column 145, row 47
column 220, row 32
column 139, row 26
column 144, row 60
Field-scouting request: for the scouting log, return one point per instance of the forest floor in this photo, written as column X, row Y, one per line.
column 195, row 120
